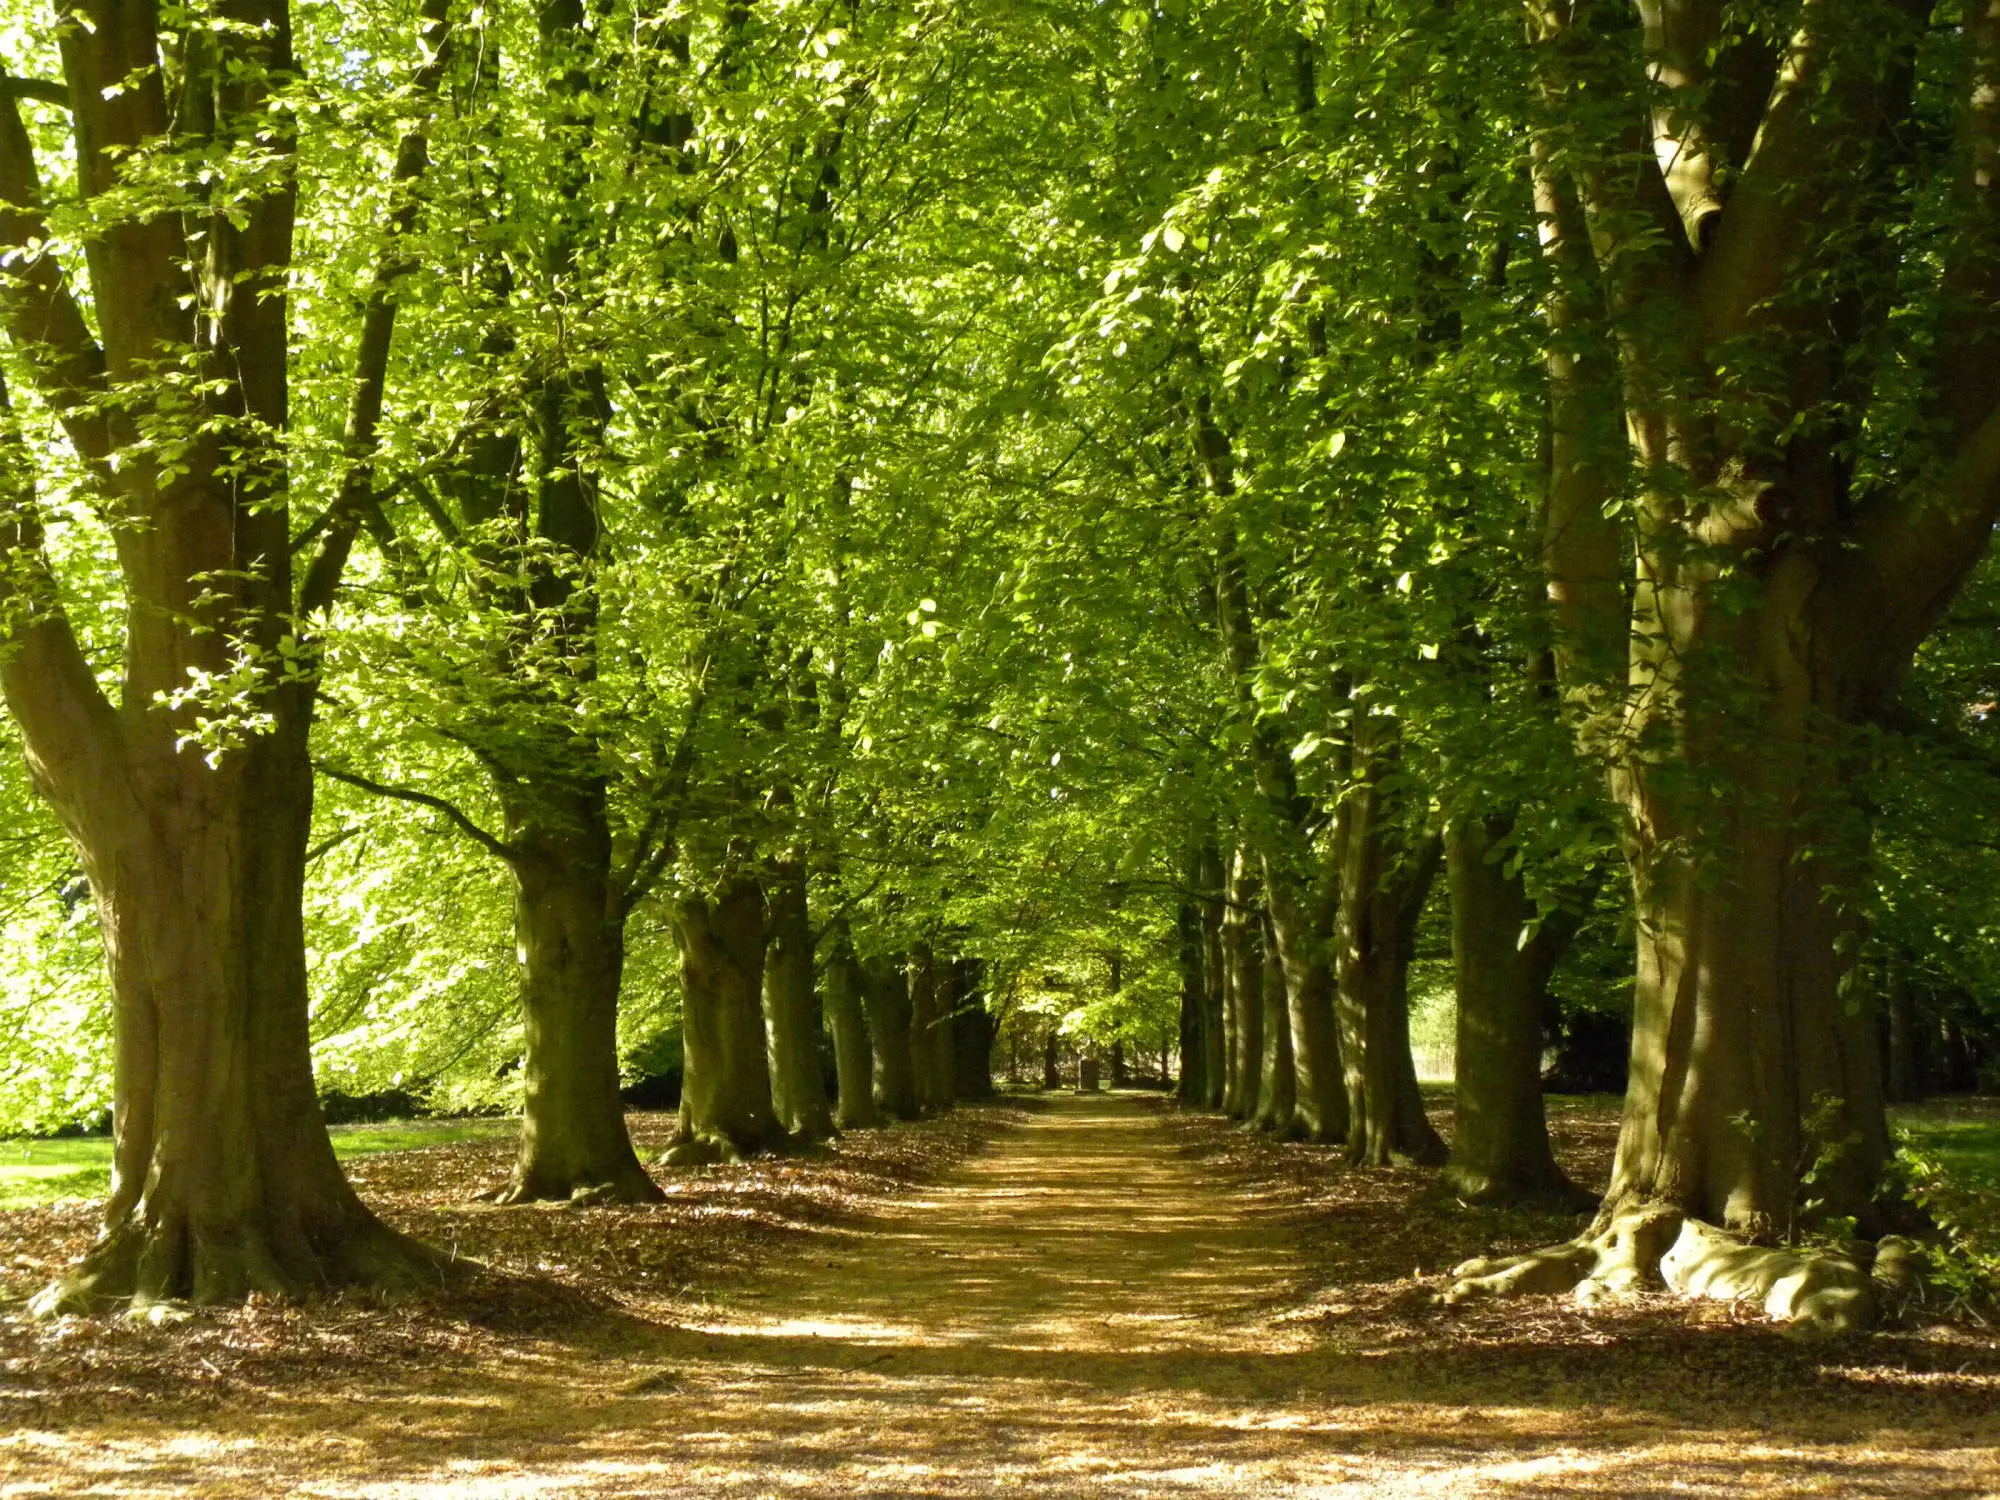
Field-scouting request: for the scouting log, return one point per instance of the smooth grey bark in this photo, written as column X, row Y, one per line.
column 223, row 1180
column 1214, row 987
column 571, row 926
column 973, row 1032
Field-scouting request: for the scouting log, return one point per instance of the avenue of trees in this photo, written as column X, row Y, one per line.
column 823, row 549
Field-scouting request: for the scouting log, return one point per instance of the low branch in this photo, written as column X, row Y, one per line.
column 494, row 846
column 34, row 88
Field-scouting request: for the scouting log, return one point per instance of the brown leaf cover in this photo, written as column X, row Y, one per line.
column 541, row 1270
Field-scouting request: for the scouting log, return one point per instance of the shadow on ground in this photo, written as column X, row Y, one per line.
column 1103, row 1301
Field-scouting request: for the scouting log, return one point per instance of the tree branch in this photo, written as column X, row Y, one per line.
column 378, row 326
column 34, row 88
column 41, row 313
column 659, row 838
column 71, row 731
column 496, row 847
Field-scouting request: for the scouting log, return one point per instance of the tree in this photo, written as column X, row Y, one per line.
column 1740, row 222
column 189, row 799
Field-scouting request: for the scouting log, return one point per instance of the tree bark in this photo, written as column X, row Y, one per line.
column 930, row 1031
column 853, row 1058
column 1500, row 1151
column 1383, row 885
column 192, row 835
column 1192, row 1086
column 973, row 1033
column 1214, row 992
column 1243, row 949
column 792, row 1025
column 1277, row 1090
column 1775, row 602
column 571, row 927
column 726, row 1110
column 1304, row 940
column 888, row 999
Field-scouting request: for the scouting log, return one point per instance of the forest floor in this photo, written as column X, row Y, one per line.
column 1100, row 1295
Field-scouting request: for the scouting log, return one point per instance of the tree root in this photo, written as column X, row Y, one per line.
column 1816, row 1292
column 155, row 1271
column 623, row 1188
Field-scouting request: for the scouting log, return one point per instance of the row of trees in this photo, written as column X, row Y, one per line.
column 803, row 487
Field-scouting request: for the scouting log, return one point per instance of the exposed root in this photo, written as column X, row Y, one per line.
column 155, row 1270
column 704, row 1148
column 1494, row 1190
column 1817, row 1292
column 633, row 1187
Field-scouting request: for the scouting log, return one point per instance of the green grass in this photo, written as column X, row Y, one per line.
column 1962, row 1133
column 37, row 1173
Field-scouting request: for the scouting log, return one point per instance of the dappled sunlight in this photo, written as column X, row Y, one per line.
column 1095, row 1305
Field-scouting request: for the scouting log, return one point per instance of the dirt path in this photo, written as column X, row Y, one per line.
column 1084, row 1309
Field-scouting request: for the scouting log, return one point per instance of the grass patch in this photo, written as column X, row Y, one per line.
column 1962, row 1133
column 38, row 1173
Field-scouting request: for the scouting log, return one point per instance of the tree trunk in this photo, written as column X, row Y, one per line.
column 1214, row 994
column 1755, row 1099
column 192, row 834
column 1052, row 1059
column 1500, row 1150
column 223, row 1180
column 574, row 1144
column 726, row 1110
column 792, row 1026
column 853, row 1060
column 1192, row 1086
column 1277, row 1090
column 1244, row 959
column 888, row 998
column 930, row 1033
column 1382, row 892
column 1319, row 1099
column 1776, row 602
column 973, row 1033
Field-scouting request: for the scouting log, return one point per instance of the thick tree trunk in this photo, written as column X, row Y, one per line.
column 888, row 999
column 1500, row 1150
column 1244, row 961
column 973, row 1033
column 853, row 1059
column 1755, row 1099
column 792, row 1026
column 1319, row 1098
column 574, row 1144
column 1382, row 892
column 223, row 1181
column 1052, row 1059
column 930, row 1031
column 726, row 1110
column 1277, row 1086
